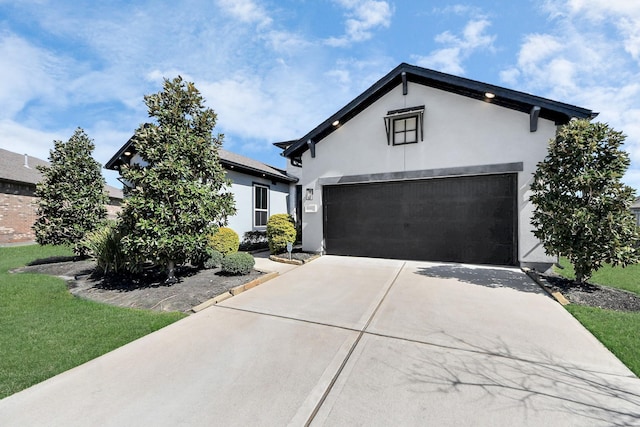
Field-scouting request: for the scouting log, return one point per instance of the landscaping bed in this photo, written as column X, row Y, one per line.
column 146, row 291
column 593, row 295
column 298, row 257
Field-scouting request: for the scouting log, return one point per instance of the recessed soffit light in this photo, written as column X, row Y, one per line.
column 489, row 95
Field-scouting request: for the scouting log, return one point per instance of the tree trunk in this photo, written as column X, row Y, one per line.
column 171, row 273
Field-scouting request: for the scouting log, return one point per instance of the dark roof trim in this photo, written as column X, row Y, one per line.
column 239, row 167
column 276, row 175
column 118, row 158
column 559, row 112
column 285, row 144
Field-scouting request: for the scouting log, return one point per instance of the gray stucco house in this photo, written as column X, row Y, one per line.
column 635, row 209
column 259, row 190
column 426, row 166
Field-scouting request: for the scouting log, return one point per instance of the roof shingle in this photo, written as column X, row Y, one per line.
column 21, row 168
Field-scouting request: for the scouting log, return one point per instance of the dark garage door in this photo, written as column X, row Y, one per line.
column 463, row 219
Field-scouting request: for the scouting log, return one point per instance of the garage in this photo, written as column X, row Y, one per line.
column 470, row 219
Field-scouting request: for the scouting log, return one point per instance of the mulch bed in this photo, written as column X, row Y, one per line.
column 146, row 291
column 197, row 286
column 591, row 294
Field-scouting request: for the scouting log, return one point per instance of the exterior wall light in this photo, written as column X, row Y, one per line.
column 309, row 195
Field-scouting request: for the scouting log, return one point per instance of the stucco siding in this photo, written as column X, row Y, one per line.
column 458, row 132
column 242, row 188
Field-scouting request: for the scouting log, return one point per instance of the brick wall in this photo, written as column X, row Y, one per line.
column 18, row 212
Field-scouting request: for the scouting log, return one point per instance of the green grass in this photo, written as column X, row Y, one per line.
column 627, row 278
column 617, row 330
column 44, row 330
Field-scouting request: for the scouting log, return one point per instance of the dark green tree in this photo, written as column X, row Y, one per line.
column 71, row 195
column 582, row 209
column 179, row 196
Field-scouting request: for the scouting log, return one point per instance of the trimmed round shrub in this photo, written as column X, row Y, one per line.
column 215, row 259
column 237, row 263
column 280, row 231
column 225, row 241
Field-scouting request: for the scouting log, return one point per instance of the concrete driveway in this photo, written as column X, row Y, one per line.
column 353, row 341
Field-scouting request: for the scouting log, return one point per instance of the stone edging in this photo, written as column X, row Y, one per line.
column 542, row 283
column 292, row 261
column 234, row 291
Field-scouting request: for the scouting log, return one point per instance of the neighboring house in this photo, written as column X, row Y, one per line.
column 18, row 208
column 259, row 190
column 426, row 166
column 635, row 209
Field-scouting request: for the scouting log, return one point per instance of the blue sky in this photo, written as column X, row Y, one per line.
column 274, row 69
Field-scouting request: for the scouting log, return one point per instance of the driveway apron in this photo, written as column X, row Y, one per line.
column 353, row 341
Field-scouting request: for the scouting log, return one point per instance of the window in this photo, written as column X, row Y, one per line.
column 404, row 126
column 260, row 205
column 405, row 131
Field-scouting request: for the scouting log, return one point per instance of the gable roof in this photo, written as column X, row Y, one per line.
column 636, row 204
column 228, row 160
column 21, row 169
column 559, row 112
column 247, row 165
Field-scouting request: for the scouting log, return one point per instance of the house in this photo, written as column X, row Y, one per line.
column 18, row 208
column 426, row 166
column 259, row 190
column 635, row 209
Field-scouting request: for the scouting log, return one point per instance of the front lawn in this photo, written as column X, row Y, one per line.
column 619, row 331
column 44, row 330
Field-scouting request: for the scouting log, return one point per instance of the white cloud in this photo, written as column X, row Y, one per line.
column 583, row 62
column 30, row 70
column 363, row 17
column 26, row 140
column 510, row 76
column 458, row 48
column 246, row 11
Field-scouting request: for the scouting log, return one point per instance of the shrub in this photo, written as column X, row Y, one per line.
column 215, row 259
column 200, row 256
column 280, row 231
column 104, row 245
column 253, row 240
column 225, row 241
column 238, row 263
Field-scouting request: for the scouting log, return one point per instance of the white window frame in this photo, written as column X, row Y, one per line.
column 257, row 209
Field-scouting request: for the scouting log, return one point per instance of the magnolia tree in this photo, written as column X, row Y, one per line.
column 179, row 196
column 71, row 196
column 582, row 209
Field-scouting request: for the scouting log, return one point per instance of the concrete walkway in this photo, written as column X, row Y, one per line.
column 353, row 341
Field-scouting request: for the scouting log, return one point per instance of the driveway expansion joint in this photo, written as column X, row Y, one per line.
column 352, row 349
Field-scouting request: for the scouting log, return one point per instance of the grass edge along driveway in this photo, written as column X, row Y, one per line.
column 44, row 330
column 619, row 331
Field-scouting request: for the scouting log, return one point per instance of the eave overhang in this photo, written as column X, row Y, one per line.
column 558, row 112
column 120, row 158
